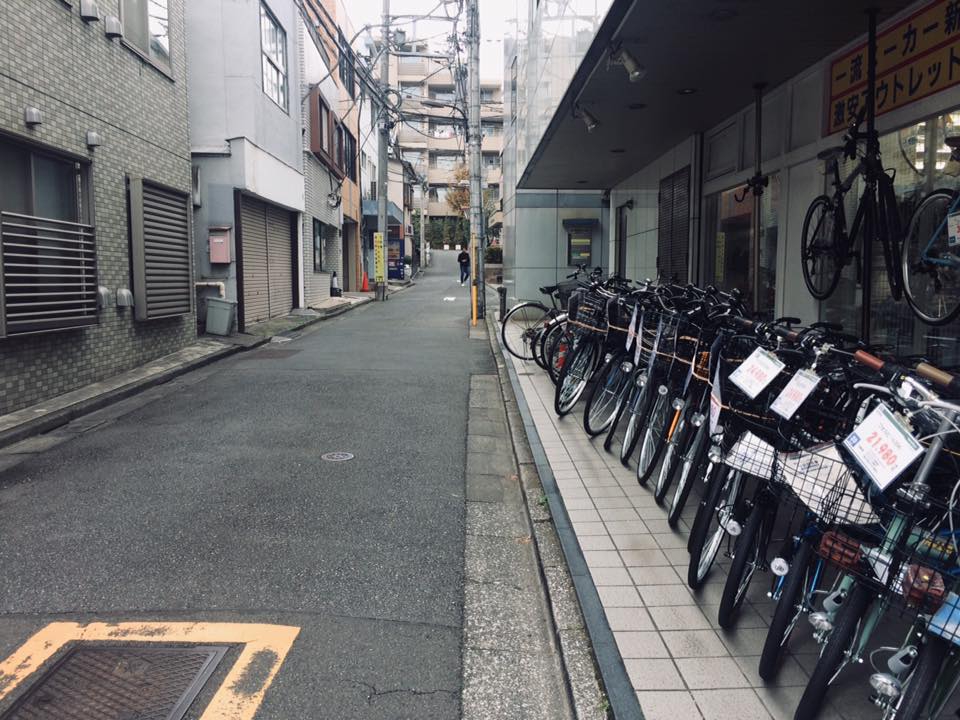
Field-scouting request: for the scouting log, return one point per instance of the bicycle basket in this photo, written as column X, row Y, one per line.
column 590, row 312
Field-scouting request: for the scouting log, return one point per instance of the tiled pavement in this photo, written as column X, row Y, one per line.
column 681, row 664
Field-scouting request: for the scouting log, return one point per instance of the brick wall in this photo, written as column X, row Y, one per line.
column 81, row 80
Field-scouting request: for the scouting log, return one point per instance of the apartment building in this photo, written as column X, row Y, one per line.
column 432, row 138
column 95, row 222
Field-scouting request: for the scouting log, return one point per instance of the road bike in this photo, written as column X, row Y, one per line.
column 826, row 245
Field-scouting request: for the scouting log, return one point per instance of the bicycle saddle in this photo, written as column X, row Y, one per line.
column 549, row 289
column 833, row 152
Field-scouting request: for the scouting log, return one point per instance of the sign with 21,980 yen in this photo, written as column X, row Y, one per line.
column 916, row 57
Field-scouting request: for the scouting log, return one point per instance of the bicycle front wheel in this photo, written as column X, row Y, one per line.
column 653, row 438
column 521, row 327
column 575, row 375
column 918, row 695
column 747, row 557
column 820, row 249
column 606, row 395
column 931, row 273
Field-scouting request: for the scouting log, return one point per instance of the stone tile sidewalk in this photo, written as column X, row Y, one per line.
column 681, row 665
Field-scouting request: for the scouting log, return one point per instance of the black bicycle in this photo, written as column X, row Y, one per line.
column 826, row 245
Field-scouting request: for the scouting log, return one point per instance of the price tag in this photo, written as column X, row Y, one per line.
column 632, row 329
column 953, row 229
column 756, row 372
column 796, row 391
column 716, row 401
column 883, row 446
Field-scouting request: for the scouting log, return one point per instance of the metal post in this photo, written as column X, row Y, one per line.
column 384, row 144
column 757, row 194
column 423, row 223
column 476, row 164
column 872, row 147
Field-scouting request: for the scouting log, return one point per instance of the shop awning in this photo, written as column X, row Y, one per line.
column 371, row 209
column 717, row 50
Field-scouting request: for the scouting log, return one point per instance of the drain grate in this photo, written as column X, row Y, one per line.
column 337, row 456
column 119, row 683
column 270, row 354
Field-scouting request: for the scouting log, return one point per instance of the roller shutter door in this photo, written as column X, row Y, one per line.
column 256, row 296
column 280, row 259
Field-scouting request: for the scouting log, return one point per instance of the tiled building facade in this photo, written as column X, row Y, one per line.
column 83, row 81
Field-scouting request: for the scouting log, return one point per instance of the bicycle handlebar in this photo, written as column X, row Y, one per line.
column 941, row 378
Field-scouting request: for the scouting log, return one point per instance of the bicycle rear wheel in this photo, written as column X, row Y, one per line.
column 931, row 280
column 820, row 249
column 605, row 396
column 521, row 326
column 557, row 345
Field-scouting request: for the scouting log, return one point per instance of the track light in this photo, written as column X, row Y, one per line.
column 589, row 120
column 635, row 71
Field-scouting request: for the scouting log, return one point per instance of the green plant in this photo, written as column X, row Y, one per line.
column 493, row 254
column 408, row 260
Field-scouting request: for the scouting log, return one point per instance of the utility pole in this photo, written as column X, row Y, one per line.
column 423, row 222
column 384, row 145
column 476, row 159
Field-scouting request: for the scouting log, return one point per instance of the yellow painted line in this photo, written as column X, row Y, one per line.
column 264, row 649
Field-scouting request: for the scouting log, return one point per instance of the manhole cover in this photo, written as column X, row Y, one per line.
column 270, row 354
column 119, row 683
column 337, row 456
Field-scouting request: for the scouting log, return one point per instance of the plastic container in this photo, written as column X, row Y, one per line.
column 220, row 314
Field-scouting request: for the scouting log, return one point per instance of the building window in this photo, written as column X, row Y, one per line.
column 338, row 146
column 438, row 193
column 414, row 157
column 349, row 155
column 411, row 90
column 346, row 66
column 487, row 94
column 730, row 248
column 443, row 94
column 491, row 129
column 48, row 259
column 273, row 47
column 491, row 161
column 146, row 27
column 443, row 161
column 442, row 130
column 324, row 127
column 410, row 59
column 673, row 236
column 318, row 234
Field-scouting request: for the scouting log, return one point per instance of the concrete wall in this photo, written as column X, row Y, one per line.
column 81, row 80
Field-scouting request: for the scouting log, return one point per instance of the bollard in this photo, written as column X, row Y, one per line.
column 502, row 292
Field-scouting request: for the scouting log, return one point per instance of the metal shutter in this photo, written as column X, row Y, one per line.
column 160, row 233
column 673, row 237
column 48, row 275
column 256, row 298
column 280, row 260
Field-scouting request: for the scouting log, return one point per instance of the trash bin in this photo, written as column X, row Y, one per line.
column 220, row 316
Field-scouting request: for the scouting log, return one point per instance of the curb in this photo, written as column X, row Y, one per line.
column 580, row 680
column 619, row 689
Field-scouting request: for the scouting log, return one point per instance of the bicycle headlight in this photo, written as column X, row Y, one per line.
column 779, row 566
column 821, row 622
column 886, row 685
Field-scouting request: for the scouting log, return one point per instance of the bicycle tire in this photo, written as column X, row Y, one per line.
column 635, row 406
column 612, row 430
column 688, row 469
column 746, row 549
column 560, row 349
column 787, row 612
column 821, row 293
column 581, row 360
column 548, row 338
column 676, row 443
column 933, row 656
column 518, row 324
column 702, row 554
column 921, row 281
column 890, row 235
column 654, row 433
column 598, row 392
column 844, row 632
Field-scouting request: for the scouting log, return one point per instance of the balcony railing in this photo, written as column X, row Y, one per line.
column 48, row 275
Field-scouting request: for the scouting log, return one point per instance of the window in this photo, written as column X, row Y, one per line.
column 674, row 227
column 442, row 130
column 346, row 66
column 487, row 94
column 443, row 94
column 324, row 127
column 273, row 48
column 491, row 161
column 414, row 157
column 443, row 161
column 146, row 27
column 438, row 193
column 730, row 249
column 349, row 155
column 411, row 90
column 48, row 260
column 410, row 59
column 160, row 251
column 338, row 146
column 491, row 129
column 318, row 235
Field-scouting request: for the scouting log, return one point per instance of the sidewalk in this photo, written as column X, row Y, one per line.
column 678, row 661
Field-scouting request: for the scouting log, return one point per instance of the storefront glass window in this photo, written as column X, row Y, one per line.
column 920, row 160
column 728, row 257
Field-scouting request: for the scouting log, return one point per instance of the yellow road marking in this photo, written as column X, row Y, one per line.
column 239, row 696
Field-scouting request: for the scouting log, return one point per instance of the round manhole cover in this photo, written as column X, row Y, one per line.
column 337, row 456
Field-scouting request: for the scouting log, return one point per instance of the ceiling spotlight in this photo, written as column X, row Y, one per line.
column 635, row 71
column 589, row 120
column 636, row 106
column 686, row 91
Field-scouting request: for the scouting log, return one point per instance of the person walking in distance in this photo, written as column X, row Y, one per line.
column 464, row 259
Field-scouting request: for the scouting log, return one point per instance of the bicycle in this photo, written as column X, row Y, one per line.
column 931, row 254
column 826, row 246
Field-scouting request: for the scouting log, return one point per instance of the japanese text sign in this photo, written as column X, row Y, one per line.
column 916, row 57
column 883, row 446
column 379, row 258
column 756, row 372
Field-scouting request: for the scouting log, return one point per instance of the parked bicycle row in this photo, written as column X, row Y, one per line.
column 816, row 462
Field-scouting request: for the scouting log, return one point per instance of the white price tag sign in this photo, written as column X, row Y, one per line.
column 796, row 391
column 756, row 372
column 953, row 229
column 883, row 446
column 632, row 330
column 716, row 401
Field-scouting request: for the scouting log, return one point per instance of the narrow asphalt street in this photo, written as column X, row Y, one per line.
column 209, row 501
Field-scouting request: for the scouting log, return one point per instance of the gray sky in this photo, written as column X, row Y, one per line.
column 492, row 25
